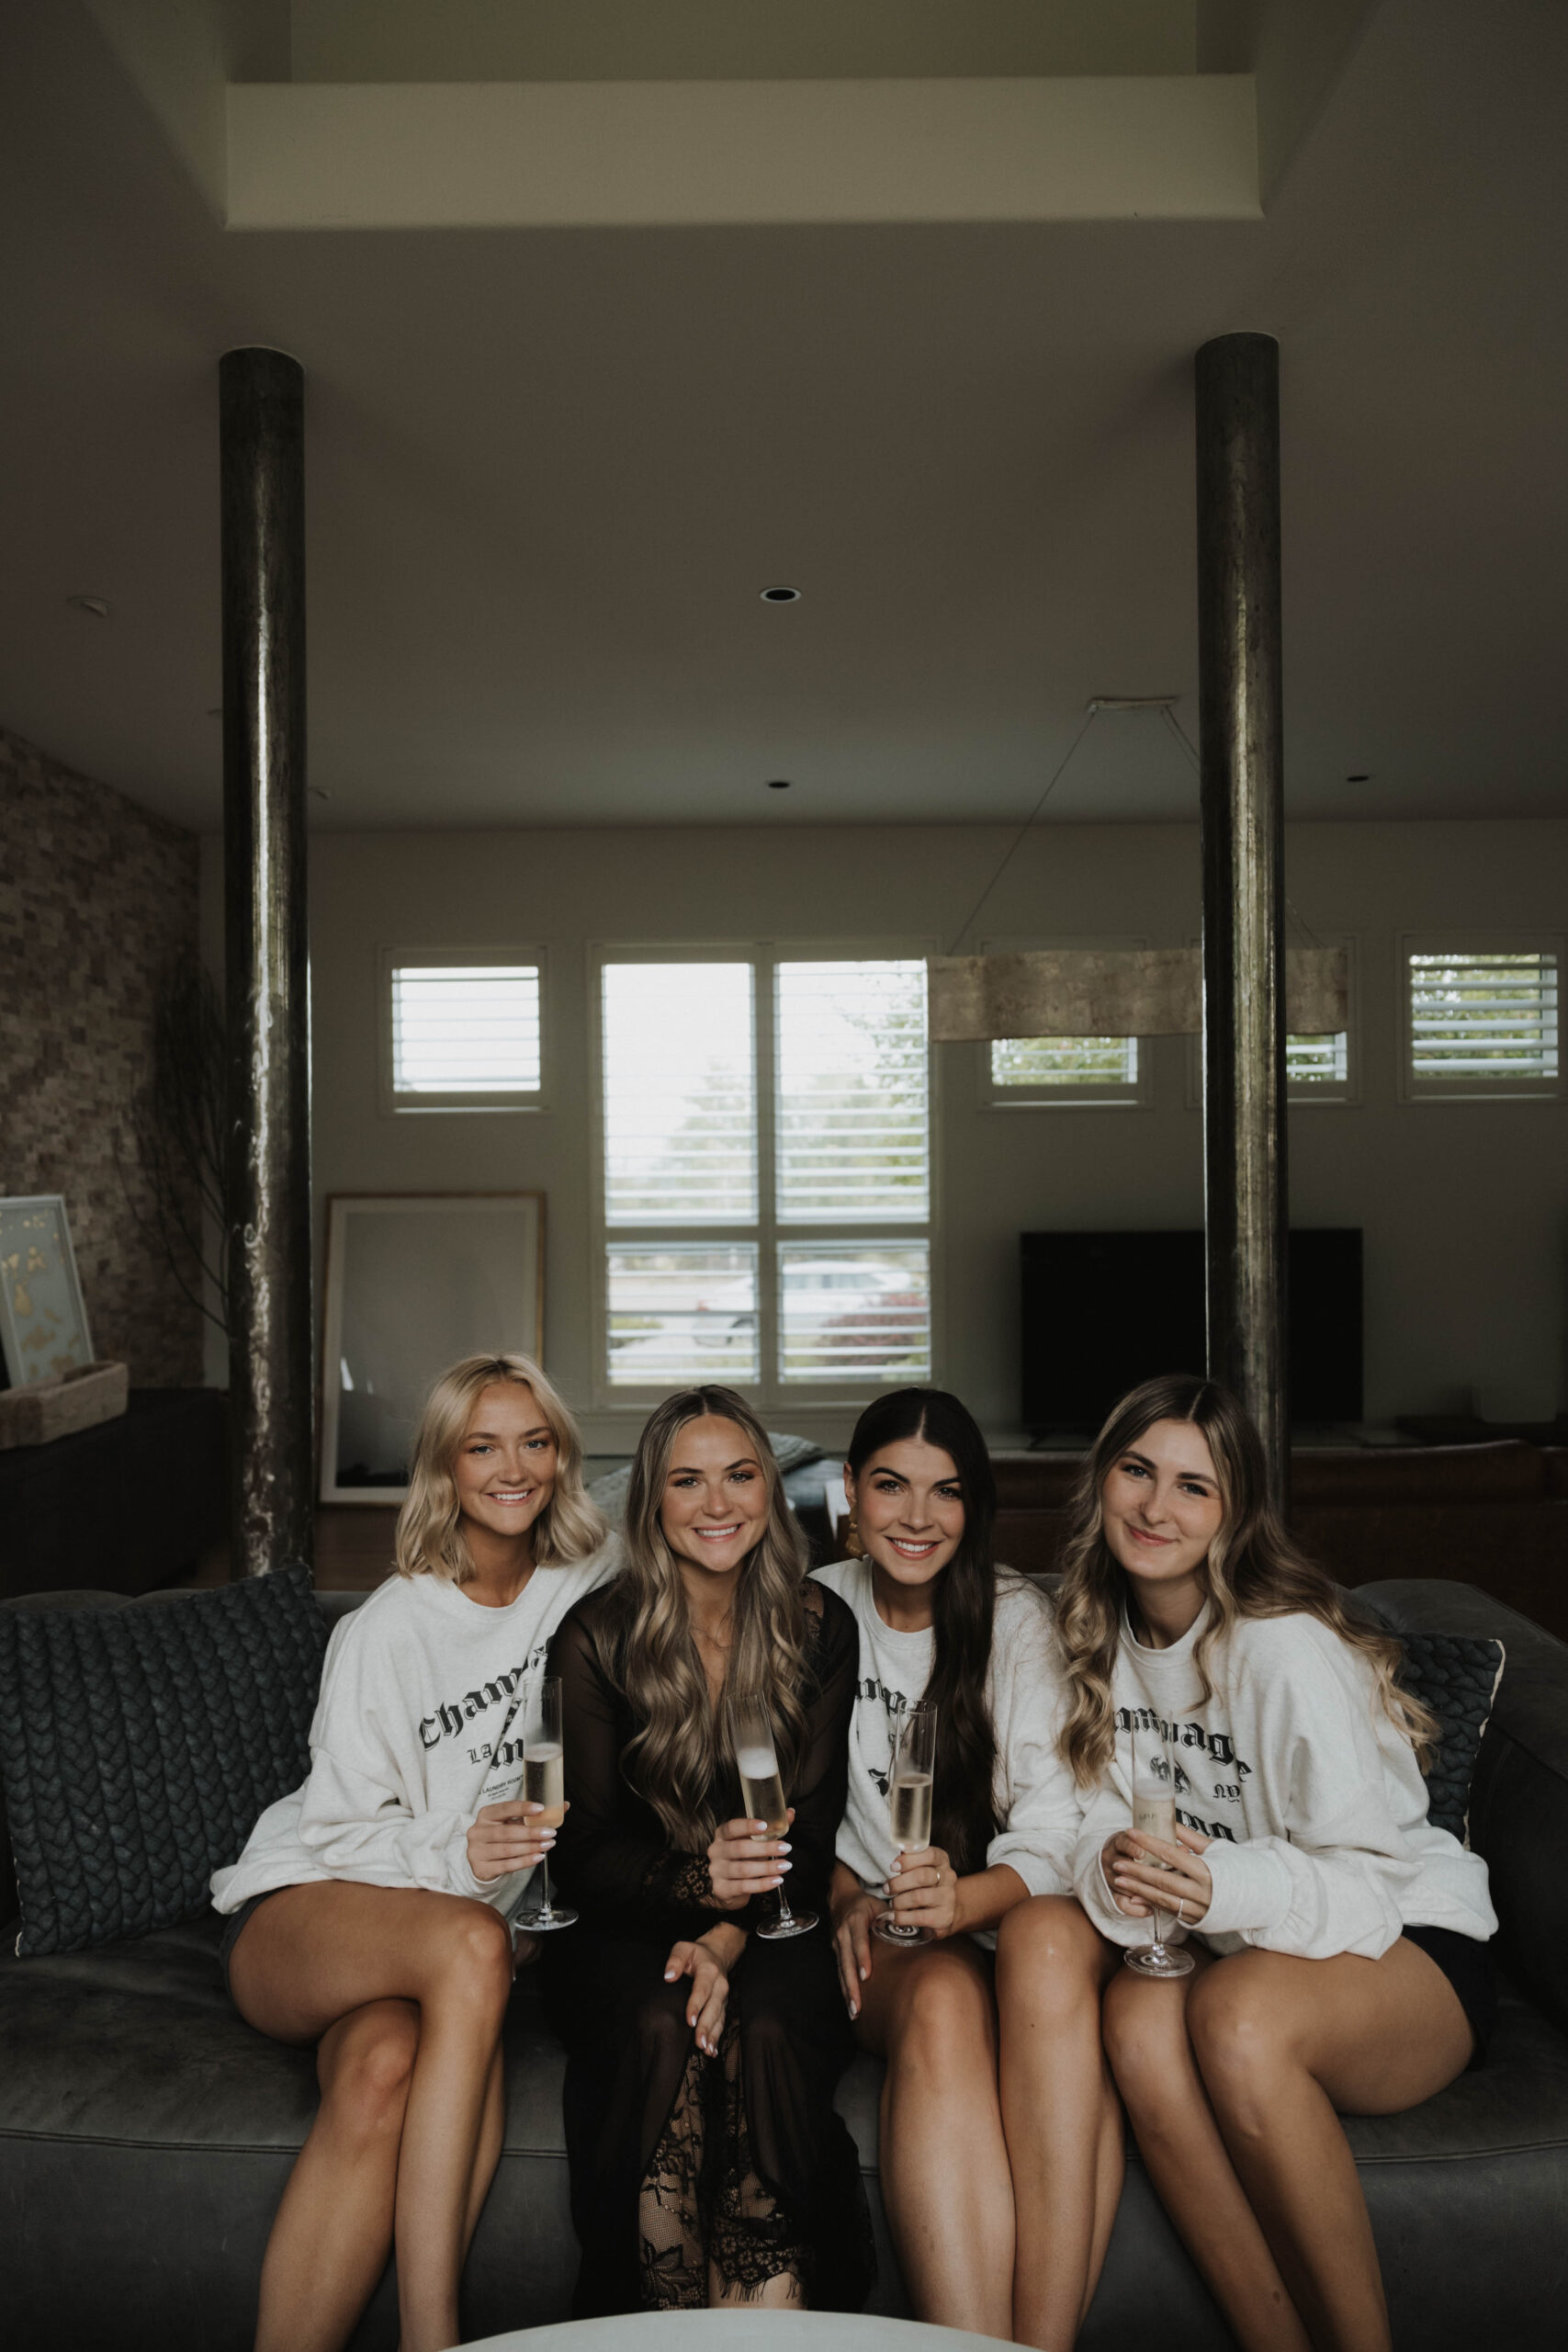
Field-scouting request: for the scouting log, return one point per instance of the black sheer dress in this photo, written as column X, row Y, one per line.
column 678, row 2160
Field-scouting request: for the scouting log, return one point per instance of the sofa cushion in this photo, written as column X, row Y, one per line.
column 139, row 1745
column 1457, row 1675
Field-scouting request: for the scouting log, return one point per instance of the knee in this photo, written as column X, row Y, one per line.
column 1243, row 2040
column 944, row 2021
column 476, row 1958
column 1141, row 2047
column 1049, row 1961
column 658, row 2024
column 369, row 2088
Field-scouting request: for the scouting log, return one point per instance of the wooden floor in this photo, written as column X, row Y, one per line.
column 354, row 1548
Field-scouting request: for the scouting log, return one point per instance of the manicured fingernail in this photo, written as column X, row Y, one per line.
column 863, row 1974
column 669, row 1976
column 785, row 1866
column 854, row 2008
column 783, row 1850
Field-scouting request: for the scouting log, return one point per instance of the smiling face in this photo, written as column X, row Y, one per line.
column 713, row 1510
column 506, row 1465
column 908, row 1505
column 1161, row 1509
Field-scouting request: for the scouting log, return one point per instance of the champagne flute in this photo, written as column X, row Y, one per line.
column 1154, row 1816
column 761, row 1793
column 544, row 1782
column 911, row 1775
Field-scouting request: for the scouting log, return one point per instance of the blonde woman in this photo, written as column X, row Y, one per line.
column 1340, row 1950
column 707, row 2164
column 368, row 1915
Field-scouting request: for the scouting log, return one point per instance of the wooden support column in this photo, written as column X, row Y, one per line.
column 271, row 1382
column 1241, row 744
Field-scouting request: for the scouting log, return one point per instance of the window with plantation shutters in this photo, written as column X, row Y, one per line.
column 1482, row 1020
column 765, row 1172
column 465, row 1031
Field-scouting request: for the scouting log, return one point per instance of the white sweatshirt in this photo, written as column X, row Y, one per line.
column 415, row 1729
column 1039, row 1807
column 1313, row 1798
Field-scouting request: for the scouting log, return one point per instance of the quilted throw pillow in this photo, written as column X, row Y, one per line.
column 138, row 1746
column 1457, row 1675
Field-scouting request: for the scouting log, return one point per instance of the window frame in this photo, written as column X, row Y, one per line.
column 1502, row 940
column 423, row 955
column 1139, row 1096
column 771, row 1393
column 1298, row 1092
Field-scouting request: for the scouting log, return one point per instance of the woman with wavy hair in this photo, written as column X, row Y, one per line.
column 1340, row 1938
column 368, row 1915
column 1001, row 2138
column 707, row 2164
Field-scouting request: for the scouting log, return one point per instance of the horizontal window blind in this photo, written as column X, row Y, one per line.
column 1483, row 1018
column 1081, row 1063
column 680, row 1095
column 682, row 1313
column 1320, row 1062
column 853, row 1114
column 851, row 1312
column 466, row 1029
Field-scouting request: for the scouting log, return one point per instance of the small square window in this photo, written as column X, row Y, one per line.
column 680, row 1312
column 1050, row 1072
column 1481, row 1021
column 464, row 1030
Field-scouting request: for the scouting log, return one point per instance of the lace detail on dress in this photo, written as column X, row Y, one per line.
column 677, row 1882
column 703, row 2203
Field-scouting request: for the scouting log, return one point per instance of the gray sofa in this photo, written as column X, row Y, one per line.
column 145, row 2132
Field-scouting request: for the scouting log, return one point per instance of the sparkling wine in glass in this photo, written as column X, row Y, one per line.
column 544, row 1782
column 1154, row 1816
column 911, row 1776
column 763, row 1794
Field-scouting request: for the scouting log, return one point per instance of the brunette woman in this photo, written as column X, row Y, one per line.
column 1001, row 2140
column 368, row 1915
column 707, row 2164
column 1341, row 1945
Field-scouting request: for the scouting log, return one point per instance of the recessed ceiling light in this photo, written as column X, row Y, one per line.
column 779, row 784
column 781, row 596
column 1358, row 779
column 97, row 606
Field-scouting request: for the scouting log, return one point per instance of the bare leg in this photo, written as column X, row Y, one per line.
column 487, row 2153
column 1060, row 2111
column 1282, row 2043
column 333, row 2229
column 945, row 2179
column 1151, row 2057
column 313, row 1953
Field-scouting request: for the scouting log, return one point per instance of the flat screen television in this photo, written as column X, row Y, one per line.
column 1103, row 1311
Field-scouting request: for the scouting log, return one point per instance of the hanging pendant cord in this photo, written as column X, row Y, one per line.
column 1018, row 837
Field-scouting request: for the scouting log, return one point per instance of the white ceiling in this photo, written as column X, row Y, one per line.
column 551, row 470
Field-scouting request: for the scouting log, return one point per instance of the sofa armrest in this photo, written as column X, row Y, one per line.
column 1518, row 1802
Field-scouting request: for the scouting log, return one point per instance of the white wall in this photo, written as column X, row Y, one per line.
column 1462, row 1204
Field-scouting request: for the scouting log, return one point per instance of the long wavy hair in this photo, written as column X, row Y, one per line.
column 964, row 1598
column 683, row 1750
column 429, row 1541
column 1253, row 1569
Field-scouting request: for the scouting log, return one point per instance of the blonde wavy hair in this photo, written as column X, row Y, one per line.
column 429, row 1541
column 1253, row 1569
column 684, row 1746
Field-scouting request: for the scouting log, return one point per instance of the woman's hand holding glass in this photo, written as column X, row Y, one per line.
column 710, row 1989
column 744, row 1861
column 508, row 1837
column 923, row 1888
column 1146, row 1874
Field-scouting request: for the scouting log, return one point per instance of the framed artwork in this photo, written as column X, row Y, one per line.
column 43, row 1324
column 413, row 1282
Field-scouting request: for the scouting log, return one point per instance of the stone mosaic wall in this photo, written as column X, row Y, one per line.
column 98, row 898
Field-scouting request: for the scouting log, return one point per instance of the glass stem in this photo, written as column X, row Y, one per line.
column 544, row 1886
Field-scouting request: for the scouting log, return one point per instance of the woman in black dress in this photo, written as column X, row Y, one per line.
column 707, row 2164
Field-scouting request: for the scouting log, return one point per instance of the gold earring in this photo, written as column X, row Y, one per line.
column 853, row 1548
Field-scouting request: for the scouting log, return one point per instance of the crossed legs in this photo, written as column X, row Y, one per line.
column 404, row 1993
column 1235, row 2078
